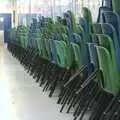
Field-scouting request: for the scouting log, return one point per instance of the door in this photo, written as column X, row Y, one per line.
column 5, row 25
column 1, row 30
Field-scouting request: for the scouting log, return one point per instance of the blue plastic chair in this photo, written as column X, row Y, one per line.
column 93, row 54
column 101, row 11
column 84, row 25
column 69, row 26
column 114, row 19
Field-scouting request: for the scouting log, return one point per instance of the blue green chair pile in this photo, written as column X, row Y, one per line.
column 112, row 28
column 114, row 86
column 79, row 58
column 37, row 65
column 102, row 52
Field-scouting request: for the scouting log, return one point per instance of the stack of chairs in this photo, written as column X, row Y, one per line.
column 110, row 26
column 79, row 60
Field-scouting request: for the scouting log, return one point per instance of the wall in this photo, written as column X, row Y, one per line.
column 54, row 8
column 5, row 6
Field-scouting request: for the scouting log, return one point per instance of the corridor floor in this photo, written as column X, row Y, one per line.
column 21, row 98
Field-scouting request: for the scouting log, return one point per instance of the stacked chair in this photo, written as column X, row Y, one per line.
column 78, row 60
column 106, row 6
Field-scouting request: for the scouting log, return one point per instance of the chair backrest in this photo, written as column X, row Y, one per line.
column 32, row 43
column 83, row 22
column 107, row 42
column 48, row 49
column 22, row 34
column 95, row 39
column 73, row 21
column 105, row 64
column 41, row 22
column 97, row 28
column 77, row 55
column 81, row 32
column 13, row 34
column 43, row 48
column 93, row 55
column 34, row 36
column 113, row 18
column 24, row 41
column 56, row 36
column 83, row 48
column 102, row 39
column 88, row 16
column 59, row 28
column 99, row 56
column 101, row 11
column 65, row 38
column 110, row 30
column 52, row 50
column 69, row 28
column 68, row 21
column 60, row 53
column 76, row 38
column 39, row 46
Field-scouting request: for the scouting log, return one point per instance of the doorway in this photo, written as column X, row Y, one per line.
column 1, row 30
column 5, row 25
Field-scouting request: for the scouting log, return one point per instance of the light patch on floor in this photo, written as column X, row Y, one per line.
column 20, row 97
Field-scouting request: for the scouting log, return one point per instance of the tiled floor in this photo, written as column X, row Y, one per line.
column 20, row 96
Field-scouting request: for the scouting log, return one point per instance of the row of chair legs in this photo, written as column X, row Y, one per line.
column 46, row 73
column 79, row 92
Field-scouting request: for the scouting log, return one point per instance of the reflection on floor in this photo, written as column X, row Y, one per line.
column 20, row 96
column 1, row 37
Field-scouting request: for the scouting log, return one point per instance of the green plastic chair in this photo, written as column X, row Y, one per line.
column 39, row 46
column 70, row 58
column 87, row 15
column 13, row 33
column 95, row 38
column 61, row 54
column 60, row 28
column 77, row 55
column 81, row 32
column 110, row 83
column 38, row 39
column 24, row 41
column 73, row 21
column 47, row 47
column 43, row 45
column 43, row 48
column 64, row 56
column 69, row 51
column 22, row 35
column 65, row 38
column 107, row 42
column 97, row 28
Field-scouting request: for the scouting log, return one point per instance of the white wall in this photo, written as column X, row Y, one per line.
column 5, row 6
column 55, row 8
